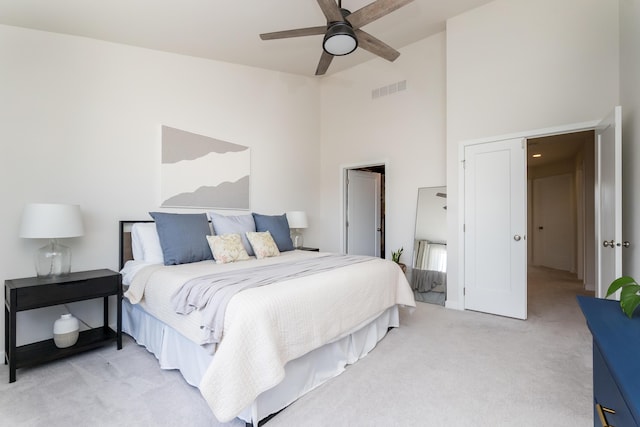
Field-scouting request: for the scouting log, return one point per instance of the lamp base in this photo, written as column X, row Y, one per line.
column 52, row 260
column 296, row 237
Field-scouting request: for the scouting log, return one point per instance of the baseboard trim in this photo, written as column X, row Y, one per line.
column 454, row 305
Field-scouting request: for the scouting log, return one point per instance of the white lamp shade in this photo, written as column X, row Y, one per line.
column 51, row 221
column 297, row 219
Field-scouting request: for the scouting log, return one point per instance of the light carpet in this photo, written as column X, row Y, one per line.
column 441, row 367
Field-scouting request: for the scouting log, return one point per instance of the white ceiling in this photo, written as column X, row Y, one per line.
column 228, row 30
column 557, row 148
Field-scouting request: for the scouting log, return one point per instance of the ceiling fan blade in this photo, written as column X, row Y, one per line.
column 323, row 65
column 375, row 46
column 331, row 10
column 299, row 32
column 373, row 11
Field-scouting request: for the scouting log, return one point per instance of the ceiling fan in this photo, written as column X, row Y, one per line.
column 342, row 34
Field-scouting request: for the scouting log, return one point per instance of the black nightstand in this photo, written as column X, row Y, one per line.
column 32, row 292
column 304, row 248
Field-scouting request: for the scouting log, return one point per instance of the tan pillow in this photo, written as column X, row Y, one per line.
column 263, row 244
column 227, row 248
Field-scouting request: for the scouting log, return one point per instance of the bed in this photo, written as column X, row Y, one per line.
column 310, row 315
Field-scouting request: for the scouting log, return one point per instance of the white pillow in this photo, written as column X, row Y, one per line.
column 227, row 248
column 145, row 243
column 263, row 244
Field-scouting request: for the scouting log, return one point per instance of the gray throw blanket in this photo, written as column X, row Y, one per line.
column 212, row 293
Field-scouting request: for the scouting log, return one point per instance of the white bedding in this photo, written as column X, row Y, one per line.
column 302, row 375
column 266, row 327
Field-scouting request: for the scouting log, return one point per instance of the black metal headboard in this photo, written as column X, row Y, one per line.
column 126, row 253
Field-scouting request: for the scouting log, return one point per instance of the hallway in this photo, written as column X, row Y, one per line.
column 552, row 294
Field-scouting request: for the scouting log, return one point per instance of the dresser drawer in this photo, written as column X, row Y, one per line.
column 607, row 394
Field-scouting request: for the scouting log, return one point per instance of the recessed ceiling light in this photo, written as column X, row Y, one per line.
column 537, row 155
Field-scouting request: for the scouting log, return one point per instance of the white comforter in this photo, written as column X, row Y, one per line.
column 266, row 327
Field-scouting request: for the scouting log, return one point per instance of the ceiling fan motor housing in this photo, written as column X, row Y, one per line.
column 340, row 39
column 345, row 12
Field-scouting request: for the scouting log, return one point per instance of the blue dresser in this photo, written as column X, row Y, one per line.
column 616, row 363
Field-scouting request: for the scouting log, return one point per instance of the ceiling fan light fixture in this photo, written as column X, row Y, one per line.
column 339, row 39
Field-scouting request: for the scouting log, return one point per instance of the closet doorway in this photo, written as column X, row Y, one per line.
column 364, row 207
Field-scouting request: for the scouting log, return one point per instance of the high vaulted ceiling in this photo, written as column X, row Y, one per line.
column 228, row 30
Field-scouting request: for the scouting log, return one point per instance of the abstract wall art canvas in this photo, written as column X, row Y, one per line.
column 202, row 172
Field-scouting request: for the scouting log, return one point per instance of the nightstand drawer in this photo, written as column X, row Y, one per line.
column 29, row 298
column 61, row 290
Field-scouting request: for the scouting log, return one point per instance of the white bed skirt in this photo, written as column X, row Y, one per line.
column 302, row 375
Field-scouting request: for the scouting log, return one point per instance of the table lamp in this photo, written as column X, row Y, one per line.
column 51, row 221
column 297, row 221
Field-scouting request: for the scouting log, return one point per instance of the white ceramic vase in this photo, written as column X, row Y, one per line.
column 65, row 331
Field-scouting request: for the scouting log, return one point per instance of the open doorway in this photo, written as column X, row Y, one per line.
column 561, row 205
column 493, row 193
column 364, row 210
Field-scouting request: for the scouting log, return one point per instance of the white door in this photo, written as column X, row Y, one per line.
column 363, row 213
column 608, row 201
column 554, row 222
column 495, row 218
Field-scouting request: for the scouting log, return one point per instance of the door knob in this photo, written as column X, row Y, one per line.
column 609, row 243
column 517, row 237
column 625, row 244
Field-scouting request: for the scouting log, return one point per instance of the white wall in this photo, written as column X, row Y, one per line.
column 518, row 65
column 404, row 130
column 630, row 101
column 80, row 119
column 80, row 123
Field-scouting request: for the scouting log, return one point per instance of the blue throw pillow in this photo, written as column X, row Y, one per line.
column 229, row 224
column 183, row 237
column 278, row 226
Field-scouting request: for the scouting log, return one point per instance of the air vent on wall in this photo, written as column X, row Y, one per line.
column 389, row 89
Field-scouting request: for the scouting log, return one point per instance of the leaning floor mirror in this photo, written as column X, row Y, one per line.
column 429, row 268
